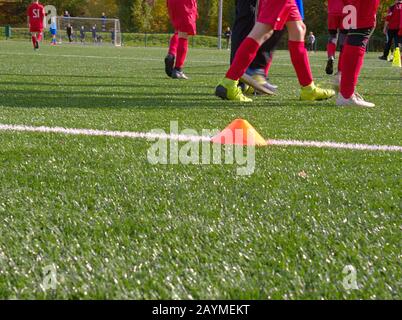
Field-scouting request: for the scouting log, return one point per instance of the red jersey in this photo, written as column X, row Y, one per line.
column 36, row 14
column 366, row 11
column 335, row 7
column 400, row 26
column 393, row 16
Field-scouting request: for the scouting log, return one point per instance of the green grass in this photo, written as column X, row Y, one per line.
column 118, row 227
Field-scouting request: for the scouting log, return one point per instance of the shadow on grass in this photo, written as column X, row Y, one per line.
column 89, row 100
column 48, row 75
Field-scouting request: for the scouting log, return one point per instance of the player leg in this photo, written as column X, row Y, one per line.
column 228, row 87
column 387, row 47
column 268, row 14
column 34, row 38
column 244, row 22
column 299, row 56
column 341, row 40
column 171, row 56
column 182, row 49
column 331, row 50
column 40, row 35
column 352, row 62
column 259, row 68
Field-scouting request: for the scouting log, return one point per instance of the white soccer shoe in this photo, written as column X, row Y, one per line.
column 355, row 100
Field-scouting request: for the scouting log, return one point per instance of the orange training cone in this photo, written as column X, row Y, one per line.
column 240, row 132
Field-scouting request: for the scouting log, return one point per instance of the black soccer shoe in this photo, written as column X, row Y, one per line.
column 330, row 66
column 169, row 64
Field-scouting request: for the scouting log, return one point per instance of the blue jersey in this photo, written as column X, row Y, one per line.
column 301, row 7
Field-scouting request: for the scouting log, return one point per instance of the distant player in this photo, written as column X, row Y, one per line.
column 273, row 15
column 94, row 33
column 336, row 33
column 183, row 16
column 360, row 21
column 53, row 32
column 391, row 27
column 82, row 34
column 69, row 32
column 36, row 16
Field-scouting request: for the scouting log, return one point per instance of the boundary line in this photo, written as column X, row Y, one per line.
column 194, row 138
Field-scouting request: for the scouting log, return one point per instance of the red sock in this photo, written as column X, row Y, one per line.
column 40, row 36
column 181, row 52
column 352, row 63
column 268, row 66
column 244, row 56
column 174, row 41
column 299, row 57
column 33, row 40
column 340, row 61
column 331, row 49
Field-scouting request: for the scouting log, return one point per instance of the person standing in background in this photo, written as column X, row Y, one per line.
column 94, row 33
column 311, row 42
column 69, row 31
column 391, row 27
column 103, row 22
column 227, row 34
column 82, row 34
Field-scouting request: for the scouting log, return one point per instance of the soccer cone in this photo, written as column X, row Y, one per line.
column 397, row 58
column 240, row 132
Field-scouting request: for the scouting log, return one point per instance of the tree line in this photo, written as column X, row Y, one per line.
column 151, row 15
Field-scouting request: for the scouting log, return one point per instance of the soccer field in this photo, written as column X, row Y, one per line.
column 113, row 225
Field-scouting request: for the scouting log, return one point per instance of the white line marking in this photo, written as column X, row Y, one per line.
column 179, row 137
column 334, row 145
column 105, row 133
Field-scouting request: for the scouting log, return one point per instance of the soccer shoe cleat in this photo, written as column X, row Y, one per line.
column 355, row 100
column 330, row 66
column 178, row 74
column 229, row 89
column 383, row 58
column 260, row 85
column 36, row 45
column 169, row 63
column 315, row 93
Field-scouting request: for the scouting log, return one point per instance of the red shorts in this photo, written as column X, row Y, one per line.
column 277, row 12
column 183, row 15
column 335, row 21
column 36, row 29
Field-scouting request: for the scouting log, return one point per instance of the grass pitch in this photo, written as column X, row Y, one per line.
column 115, row 226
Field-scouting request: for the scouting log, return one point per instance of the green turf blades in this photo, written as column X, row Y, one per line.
column 118, row 227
